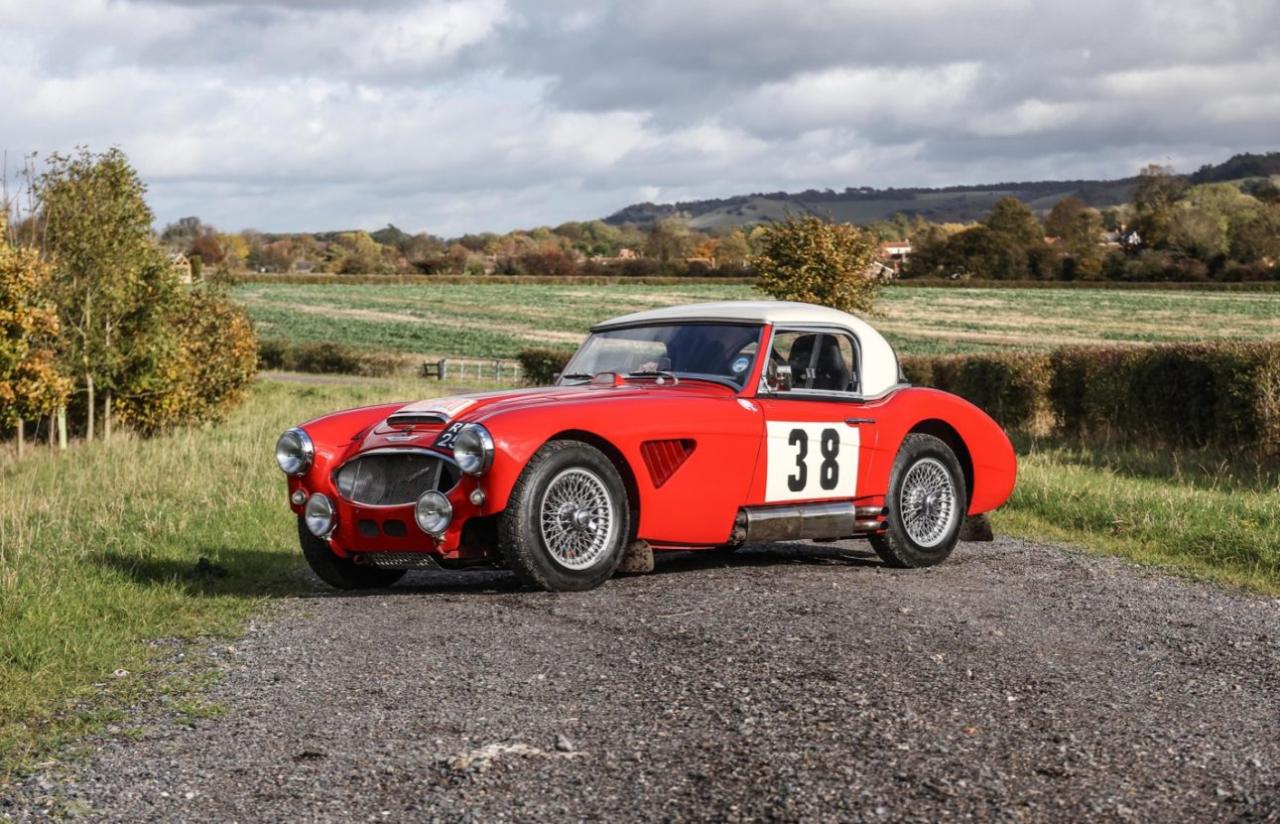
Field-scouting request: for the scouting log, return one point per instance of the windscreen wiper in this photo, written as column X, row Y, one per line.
column 577, row 376
column 660, row 374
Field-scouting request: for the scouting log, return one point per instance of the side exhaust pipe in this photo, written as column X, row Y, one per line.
column 825, row 521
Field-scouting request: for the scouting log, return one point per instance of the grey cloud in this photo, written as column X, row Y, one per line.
column 470, row 114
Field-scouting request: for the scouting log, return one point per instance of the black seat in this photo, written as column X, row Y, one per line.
column 831, row 372
column 800, row 358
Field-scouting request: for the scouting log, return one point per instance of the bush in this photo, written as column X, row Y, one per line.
column 325, row 358
column 215, row 360
column 541, row 366
column 1225, row 394
column 1182, row 395
column 1013, row 388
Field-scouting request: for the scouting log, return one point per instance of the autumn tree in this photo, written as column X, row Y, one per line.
column 1062, row 218
column 810, row 260
column 207, row 368
column 1157, row 190
column 669, row 239
column 734, row 249
column 1015, row 220
column 110, row 280
column 31, row 385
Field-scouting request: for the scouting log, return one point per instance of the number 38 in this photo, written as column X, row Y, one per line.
column 828, row 468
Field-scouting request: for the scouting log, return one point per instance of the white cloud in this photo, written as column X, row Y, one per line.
column 455, row 115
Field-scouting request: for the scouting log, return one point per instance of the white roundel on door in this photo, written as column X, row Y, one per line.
column 807, row 460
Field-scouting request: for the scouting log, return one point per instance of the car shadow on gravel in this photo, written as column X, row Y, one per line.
column 767, row 556
column 500, row 582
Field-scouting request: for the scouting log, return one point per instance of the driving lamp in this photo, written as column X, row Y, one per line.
column 319, row 515
column 433, row 512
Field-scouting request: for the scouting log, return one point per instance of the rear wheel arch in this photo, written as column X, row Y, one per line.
column 619, row 461
column 946, row 433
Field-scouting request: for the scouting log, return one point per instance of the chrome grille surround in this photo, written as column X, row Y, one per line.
column 394, row 476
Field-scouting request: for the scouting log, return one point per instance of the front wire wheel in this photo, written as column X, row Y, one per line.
column 927, row 502
column 568, row 519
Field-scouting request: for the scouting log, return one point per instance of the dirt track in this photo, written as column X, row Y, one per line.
column 1017, row 682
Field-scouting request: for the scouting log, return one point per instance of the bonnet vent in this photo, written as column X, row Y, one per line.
column 416, row 419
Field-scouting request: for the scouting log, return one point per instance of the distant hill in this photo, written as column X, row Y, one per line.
column 950, row 204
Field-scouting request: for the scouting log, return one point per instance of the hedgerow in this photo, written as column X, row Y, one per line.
column 1222, row 394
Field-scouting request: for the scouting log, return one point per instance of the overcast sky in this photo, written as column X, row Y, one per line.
column 464, row 115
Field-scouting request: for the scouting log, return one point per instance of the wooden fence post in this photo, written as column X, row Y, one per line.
column 62, row 428
column 442, row 369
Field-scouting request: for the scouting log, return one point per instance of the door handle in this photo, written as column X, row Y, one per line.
column 859, row 421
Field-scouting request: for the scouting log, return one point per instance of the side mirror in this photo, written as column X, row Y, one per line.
column 778, row 377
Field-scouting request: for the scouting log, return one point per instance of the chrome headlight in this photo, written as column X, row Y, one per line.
column 473, row 449
column 320, row 515
column 433, row 512
column 295, row 452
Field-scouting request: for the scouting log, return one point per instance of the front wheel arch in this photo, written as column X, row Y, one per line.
column 619, row 461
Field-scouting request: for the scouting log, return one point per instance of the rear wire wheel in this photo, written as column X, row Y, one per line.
column 927, row 502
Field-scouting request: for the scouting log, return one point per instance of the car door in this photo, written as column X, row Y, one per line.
column 816, row 441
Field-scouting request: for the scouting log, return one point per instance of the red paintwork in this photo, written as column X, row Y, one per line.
column 696, row 503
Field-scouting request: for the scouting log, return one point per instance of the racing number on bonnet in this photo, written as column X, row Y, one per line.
column 810, row 460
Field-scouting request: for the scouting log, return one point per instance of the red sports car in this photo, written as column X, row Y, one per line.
column 706, row 426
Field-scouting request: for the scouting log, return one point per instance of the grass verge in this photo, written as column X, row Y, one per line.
column 1205, row 514
column 99, row 548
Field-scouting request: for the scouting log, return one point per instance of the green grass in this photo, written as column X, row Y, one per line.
column 485, row 320
column 1203, row 513
column 98, row 548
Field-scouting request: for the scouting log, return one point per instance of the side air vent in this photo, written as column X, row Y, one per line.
column 663, row 458
column 416, row 419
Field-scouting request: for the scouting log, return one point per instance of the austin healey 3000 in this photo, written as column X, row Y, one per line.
column 703, row 427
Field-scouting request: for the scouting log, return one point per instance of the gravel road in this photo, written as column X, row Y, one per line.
column 1018, row 682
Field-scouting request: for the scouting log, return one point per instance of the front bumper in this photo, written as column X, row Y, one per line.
column 392, row 529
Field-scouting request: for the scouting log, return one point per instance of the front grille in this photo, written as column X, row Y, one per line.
column 394, row 478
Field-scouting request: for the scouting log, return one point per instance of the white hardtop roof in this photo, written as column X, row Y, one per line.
column 753, row 311
column 879, row 363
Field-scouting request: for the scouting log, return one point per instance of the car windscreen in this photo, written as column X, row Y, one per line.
column 720, row 351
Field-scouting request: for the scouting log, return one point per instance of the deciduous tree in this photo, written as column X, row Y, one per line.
column 810, row 260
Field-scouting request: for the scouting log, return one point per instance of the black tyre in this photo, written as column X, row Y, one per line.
column 927, row 502
column 568, row 521
column 339, row 572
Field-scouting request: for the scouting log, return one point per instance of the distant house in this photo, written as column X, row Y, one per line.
column 627, row 254
column 894, row 254
column 182, row 265
column 303, row 266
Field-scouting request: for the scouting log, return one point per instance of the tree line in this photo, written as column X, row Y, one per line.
column 1172, row 231
column 97, row 326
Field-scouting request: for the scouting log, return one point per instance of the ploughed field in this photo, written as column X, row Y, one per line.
column 498, row 320
column 1017, row 682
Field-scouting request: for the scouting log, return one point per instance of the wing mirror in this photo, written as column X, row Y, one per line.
column 778, row 377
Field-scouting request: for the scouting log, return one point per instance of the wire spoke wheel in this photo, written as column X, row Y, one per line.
column 578, row 518
column 927, row 502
